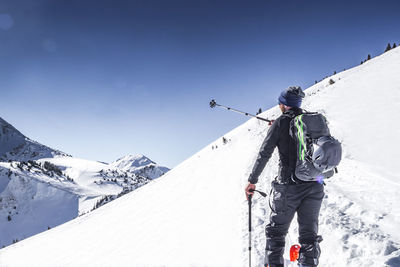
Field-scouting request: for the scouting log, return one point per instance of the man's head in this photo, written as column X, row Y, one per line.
column 291, row 97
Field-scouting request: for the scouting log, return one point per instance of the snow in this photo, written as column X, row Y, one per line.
column 32, row 200
column 139, row 165
column 32, row 205
column 196, row 214
column 131, row 161
column 84, row 172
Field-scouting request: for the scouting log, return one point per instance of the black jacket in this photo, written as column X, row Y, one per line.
column 278, row 136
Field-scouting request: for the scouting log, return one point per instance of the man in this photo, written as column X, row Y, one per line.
column 289, row 194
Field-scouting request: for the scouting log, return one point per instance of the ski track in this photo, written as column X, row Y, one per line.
column 351, row 221
column 349, row 228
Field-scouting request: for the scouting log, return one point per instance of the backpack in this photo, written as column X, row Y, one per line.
column 318, row 153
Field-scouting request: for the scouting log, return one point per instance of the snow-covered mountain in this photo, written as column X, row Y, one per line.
column 41, row 188
column 15, row 146
column 197, row 214
column 130, row 162
column 140, row 165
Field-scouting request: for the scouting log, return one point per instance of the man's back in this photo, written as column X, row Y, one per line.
column 287, row 148
column 278, row 136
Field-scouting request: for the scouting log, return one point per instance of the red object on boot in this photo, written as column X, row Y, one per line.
column 294, row 252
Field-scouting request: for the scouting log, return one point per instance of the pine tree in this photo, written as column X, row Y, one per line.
column 394, row 45
column 334, row 72
column 388, row 47
column 369, row 57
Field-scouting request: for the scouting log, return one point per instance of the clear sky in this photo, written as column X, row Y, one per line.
column 102, row 79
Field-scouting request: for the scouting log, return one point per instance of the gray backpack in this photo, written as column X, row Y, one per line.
column 318, row 153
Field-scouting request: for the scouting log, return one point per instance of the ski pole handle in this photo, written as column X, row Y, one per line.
column 260, row 192
column 213, row 103
column 249, row 213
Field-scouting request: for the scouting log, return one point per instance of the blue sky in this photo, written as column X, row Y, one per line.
column 101, row 79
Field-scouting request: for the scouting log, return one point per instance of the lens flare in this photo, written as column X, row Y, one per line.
column 320, row 179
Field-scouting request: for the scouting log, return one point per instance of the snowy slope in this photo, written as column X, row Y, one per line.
column 32, row 198
column 41, row 188
column 31, row 203
column 196, row 215
column 29, row 206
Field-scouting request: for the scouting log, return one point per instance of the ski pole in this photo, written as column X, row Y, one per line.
column 249, row 202
column 214, row 104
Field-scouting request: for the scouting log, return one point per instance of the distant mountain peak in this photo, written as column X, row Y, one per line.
column 9, row 137
column 132, row 161
column 16, row 146
column 139, row 165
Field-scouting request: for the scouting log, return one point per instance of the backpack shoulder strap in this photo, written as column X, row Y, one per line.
column 293, row 114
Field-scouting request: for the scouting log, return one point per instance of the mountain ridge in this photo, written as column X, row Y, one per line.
column 16, row 146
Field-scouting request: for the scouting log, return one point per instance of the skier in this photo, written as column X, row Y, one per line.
column 289, row 194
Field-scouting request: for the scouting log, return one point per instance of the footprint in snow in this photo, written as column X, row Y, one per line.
column 390, row 248
column 260, row 222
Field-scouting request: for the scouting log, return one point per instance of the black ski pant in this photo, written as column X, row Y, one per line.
column 285, row 201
